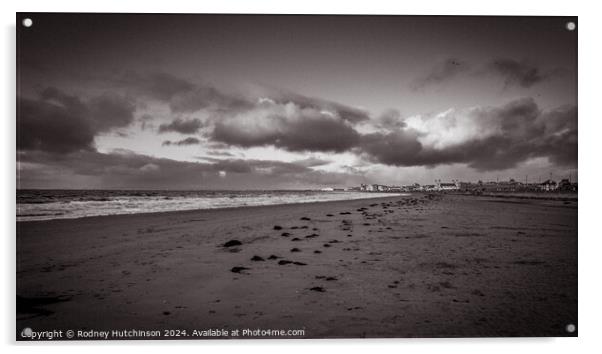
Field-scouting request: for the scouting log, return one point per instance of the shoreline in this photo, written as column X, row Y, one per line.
column 573, row 197
column 221, row 208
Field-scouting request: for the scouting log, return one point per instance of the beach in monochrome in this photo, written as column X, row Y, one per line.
column 205, row 176
column 423, row 265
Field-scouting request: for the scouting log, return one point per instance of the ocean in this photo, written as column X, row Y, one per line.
column 69, row 204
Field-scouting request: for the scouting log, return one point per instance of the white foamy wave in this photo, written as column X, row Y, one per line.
column 88, row 203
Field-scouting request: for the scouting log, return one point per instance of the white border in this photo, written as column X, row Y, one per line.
column 590, row 128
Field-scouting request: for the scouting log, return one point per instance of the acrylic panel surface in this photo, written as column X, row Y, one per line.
column 276, row 176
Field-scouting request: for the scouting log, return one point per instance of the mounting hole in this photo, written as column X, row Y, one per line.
column 27, row 22
column 571, row 26
column 570, row 328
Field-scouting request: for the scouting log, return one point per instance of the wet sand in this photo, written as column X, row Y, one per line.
column 418, row 266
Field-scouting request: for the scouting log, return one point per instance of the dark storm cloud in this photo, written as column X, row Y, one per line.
column 184, row 96
column 183, row 142
column 523, row 132
column 397, row 148
column 109, row 111
column 59, row 122
column 125, row 169
column 289, row 121
column 312, row 132
column 119, row 169
column 518, row 73
column 347, row 113
column 513, row 72
column 181, row 95
column 519, row 131
column 442, row 72
column 182, row 126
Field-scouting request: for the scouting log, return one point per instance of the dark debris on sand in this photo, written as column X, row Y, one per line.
column 239, row 270
column 257, row 259
column 232, row 243
column 318, row 289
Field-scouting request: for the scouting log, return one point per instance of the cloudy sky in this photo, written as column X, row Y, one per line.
column 278, row 102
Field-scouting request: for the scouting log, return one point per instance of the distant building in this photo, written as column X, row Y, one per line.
column 566, row 186
column 548, row 186
column 380, row 188
column 447, row 186
column 410, row 187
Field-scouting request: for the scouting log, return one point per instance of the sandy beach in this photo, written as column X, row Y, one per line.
column 417, row 266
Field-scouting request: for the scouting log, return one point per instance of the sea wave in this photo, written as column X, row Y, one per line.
column 69, row 204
